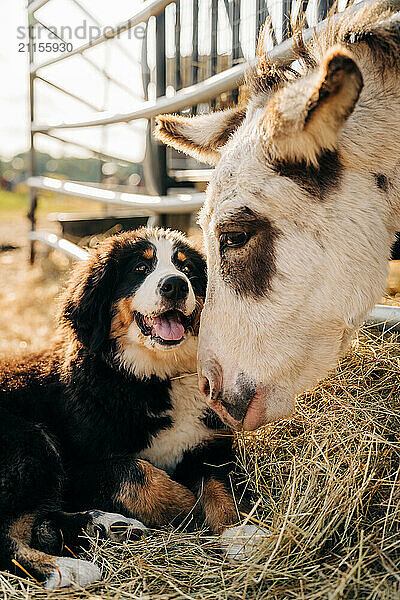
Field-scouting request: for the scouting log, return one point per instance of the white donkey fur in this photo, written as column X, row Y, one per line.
column 317, row 158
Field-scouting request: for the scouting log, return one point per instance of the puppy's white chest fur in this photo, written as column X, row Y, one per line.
column 187, row 430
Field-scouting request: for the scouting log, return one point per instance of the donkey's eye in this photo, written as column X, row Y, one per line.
column 233, row 239
column 141, row 267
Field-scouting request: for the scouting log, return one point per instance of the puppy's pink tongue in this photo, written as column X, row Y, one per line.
column 168, row 328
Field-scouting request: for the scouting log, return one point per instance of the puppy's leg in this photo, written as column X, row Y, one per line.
column 155, row 498
column 208, row 470
column 224, row 513
column 31, row 480
column 134, row 488
column 60, row 532
column 220, row 509
column 52, row 571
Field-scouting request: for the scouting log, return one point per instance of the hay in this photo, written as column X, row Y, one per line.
column 329, row 482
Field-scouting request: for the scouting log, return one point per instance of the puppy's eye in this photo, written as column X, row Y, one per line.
column 187, row 269
column 233, row 239
column 141, row 267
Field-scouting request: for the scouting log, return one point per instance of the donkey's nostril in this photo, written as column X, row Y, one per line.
column 210, row 379
column 204, row 385
column 174, row 288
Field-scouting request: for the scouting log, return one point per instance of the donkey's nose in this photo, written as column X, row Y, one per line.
column 174, row 288
column 210, row 379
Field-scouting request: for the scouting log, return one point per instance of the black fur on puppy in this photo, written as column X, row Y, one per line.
column 100, row 432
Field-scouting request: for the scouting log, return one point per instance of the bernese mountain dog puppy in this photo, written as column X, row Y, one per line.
column 101, row 432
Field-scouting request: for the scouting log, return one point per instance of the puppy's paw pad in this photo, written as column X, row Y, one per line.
column 113, row 526
column 72, row 572
column 241, row 541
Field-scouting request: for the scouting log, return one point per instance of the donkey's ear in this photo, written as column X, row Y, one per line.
column 303, row 119
column 202, row 136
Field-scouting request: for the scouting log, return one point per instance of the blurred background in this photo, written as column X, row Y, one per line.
column 27, row 293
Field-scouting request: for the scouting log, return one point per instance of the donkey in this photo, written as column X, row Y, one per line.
column 300, row 215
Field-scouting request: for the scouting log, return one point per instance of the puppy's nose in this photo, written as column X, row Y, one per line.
column 174, row 288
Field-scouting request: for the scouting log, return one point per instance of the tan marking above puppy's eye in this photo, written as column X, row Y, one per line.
column 148, row 253
column 181, row 256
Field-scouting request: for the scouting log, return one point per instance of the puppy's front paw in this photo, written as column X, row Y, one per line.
column 113, row 526
column 72, row 572
column 240, row 541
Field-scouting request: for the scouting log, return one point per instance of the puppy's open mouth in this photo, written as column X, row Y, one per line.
column 168, row 328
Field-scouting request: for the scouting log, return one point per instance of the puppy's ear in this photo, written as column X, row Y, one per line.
column 86, row 306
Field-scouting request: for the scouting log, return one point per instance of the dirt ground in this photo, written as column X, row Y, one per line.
column 27, row 293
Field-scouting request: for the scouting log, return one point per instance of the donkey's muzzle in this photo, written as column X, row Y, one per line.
column 231, row 405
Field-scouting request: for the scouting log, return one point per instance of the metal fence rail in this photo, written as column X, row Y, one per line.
column 151, row 8
column 36, row 4
column 54, row 241
column 196, row 80
column 154, row 205
column 188, row 96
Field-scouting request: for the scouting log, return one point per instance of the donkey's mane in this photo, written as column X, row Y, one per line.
column 370, row 25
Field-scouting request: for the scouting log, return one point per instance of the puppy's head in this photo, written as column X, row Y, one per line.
column 138, row 290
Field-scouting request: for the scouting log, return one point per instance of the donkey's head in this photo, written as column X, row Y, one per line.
column 295, row 237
